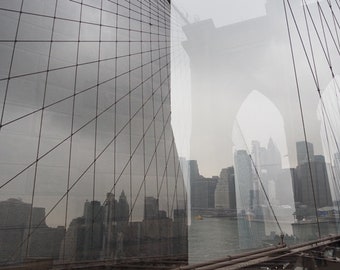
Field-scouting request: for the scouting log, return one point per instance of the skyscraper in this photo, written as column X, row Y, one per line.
column 304, row 152
column 225, row 197
column 311, row 183
column 151, row 208
column 202, row 189
column 243, row 179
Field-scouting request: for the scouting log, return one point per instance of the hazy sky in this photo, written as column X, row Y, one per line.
column 222, row 12
column 262, row 127
column 239, row 51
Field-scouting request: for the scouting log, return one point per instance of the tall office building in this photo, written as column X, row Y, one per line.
column 268, row 167
column 151, row 208
column 250, row 195
column 313, row 200
column 193, row 169
column 225, row 196
column 202, row 189
column 85, row 112
column 93, row 230
column 243, row 180
column 320, row 183
column 244, row 186
column 273, row 160
column 304, row 152
column 310, row 182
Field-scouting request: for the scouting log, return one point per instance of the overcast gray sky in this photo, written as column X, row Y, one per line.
column 222, row 12
column 242, row 51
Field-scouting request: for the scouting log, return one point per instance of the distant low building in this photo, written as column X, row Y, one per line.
column 84, row 236
column 106, row 232
column 44, row 241
column 202, row 189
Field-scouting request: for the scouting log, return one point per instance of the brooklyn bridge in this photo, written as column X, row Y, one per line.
column 157, row 134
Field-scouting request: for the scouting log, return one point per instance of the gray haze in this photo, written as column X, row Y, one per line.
column 249, row 51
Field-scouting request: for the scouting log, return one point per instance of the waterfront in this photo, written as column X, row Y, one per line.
column 213, row 238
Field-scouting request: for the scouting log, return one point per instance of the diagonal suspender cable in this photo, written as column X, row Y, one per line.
column 154, row 27
column 101, row 153
column 260, row 180
column 72, row 130
column 30, row 221
column 301, row 112
column 336, row 186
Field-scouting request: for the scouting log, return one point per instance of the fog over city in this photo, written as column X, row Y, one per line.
column 134, row 129
column 242, row 75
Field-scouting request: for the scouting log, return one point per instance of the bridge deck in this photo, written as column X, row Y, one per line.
column 274, row 256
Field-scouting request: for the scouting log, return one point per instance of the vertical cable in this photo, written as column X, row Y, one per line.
column 115, row 134
column 153, row 99
column 40, row 135
column 96, row 128
column 176, row 174
column 11, row 65
column 301, row 113
column 310, row 65
column 115, row 108
column 72, row 128
column 156, row 121
column 143, row 109
column 311, row 69
column 335, row 184
column 324, row 114
column 130, row 110
column 158, row 112
column 163, row 118
column 323, row 110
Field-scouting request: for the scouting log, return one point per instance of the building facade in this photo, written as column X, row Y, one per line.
column 225, row 197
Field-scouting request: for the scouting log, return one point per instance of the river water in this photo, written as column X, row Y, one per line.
column 212, row 238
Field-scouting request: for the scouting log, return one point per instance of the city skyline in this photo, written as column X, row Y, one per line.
column 264, row 190
column 248, row 151
column 89, row 236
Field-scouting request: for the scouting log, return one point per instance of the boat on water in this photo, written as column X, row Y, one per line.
column 198, row 217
